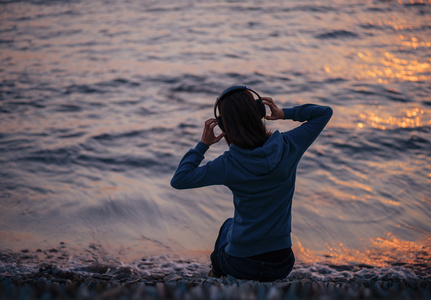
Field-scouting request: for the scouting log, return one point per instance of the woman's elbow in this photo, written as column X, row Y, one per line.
column 176, row 183
column 328, row 112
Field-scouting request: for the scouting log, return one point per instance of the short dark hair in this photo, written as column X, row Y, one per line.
column 241, row 120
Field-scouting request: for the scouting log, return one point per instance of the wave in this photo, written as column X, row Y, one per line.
column 83, row 89
column 337, row 34
column 152, row 162
column 390, row 144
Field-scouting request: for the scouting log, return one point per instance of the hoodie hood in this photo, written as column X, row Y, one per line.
column 261, row 160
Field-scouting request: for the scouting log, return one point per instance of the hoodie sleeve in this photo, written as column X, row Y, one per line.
column 315, row 117
column 190, row 175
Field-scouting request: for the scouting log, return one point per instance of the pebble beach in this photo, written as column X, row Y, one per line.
column 25, row 275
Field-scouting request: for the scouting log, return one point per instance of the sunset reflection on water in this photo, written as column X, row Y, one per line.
column 412, row 118
column 389, row 68
column 384, row 252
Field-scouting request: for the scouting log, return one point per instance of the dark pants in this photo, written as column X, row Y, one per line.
column 243, row 267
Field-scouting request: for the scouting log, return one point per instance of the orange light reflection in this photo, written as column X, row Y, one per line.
column 395, row 68
column 411, row 118
column 414, row 42
column 385, row 251
column 389, row 67
column 413, row 2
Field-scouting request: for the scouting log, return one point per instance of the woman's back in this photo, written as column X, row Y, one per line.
column 261, row 175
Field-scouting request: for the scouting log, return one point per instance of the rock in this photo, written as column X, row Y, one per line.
column 123, row 277
column 367, row 293
column 378, row 290
column 273, row 294
column 414, row 283
column 172, row 277
column 231, row 279
column 160, row 287
column 6, row 282
column 171, row 284
column 125, row 270
column 385, row 285
column 101, row 277
column 307, row 288
column 157, row 276
column 148, row 282
column 59, row 280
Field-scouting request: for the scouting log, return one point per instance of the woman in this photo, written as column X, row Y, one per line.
column 260, row 170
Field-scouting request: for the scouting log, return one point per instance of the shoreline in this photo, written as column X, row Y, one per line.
column 50, row 282
column 24, row 276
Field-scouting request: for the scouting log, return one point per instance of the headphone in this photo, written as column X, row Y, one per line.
column 234, row 89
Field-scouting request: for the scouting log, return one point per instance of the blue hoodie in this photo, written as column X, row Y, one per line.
column 262, row 181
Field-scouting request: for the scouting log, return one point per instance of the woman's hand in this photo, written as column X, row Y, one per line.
column 276, row 113
column 208, row 136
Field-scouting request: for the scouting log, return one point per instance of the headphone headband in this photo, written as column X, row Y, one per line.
column 231, row 90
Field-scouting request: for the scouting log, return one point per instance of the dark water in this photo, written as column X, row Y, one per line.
column 99, row 100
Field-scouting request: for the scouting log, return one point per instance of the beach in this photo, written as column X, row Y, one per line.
column 100, row 100
column 29, row 275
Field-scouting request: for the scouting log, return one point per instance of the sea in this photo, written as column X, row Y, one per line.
column 99, row 101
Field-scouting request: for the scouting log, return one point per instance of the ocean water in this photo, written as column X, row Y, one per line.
column 99, row 100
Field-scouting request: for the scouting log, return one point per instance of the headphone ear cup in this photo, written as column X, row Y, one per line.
column 261, row 107
column 220, row 123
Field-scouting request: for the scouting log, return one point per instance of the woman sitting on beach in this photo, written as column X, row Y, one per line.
column 260, row 170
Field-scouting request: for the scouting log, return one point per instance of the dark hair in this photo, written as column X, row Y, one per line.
column 241, row 120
